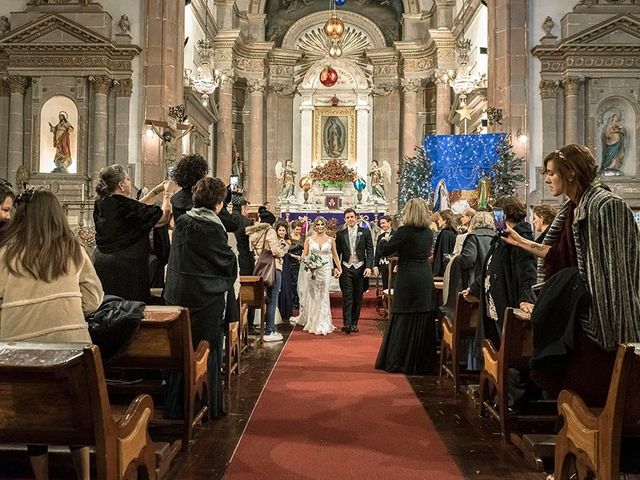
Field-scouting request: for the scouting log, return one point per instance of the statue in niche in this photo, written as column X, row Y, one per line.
column 334, row 137
column 237, row 165
column 287, row 175
column 5, row 26
column 62, row 143
column 124, row 24
column 613, row 146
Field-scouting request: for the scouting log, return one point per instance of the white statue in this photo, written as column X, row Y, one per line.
column 441, row 197
column 287, row 176
column 380, row 178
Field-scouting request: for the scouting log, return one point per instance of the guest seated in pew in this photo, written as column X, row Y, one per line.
column 7, row 197
column 202, row 270
column 47, row 286
column 188, row 171
column 122, row 226
column 445, row 242
column 595, row 234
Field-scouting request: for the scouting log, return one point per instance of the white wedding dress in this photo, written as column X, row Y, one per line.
column 315, row 309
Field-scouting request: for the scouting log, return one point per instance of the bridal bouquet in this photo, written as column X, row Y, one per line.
column 312, row 263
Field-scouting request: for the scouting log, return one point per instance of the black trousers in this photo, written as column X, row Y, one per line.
column 384, row 273
column 352, row 284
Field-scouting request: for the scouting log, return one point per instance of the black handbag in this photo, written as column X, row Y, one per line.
column 266, row 265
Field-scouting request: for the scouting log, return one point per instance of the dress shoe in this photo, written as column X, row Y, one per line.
column 355, row 329
column 346, row 329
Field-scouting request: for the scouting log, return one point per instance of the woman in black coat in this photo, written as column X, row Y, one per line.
column 202, row 270
column 409, row 344
column 444, row 243
column 121, row 257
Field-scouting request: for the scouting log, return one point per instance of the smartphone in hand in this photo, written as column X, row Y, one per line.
column 233, row 183
column 500, row 221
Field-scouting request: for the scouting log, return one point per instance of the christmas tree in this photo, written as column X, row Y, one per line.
column 504, row 175
column 415, row 178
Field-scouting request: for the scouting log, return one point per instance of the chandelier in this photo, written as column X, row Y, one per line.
column 207, row 79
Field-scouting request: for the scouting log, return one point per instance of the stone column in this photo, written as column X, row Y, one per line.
column 5, row 93
column 362, row 139
column 571, row 90
column 224, row 128
column 15, row 153
column 549, row 95
column 445, row 13
column 256, row 140
column 123, row 101
column 409, row 115
column 306, row 135
column 101, row 85
column 443, row 103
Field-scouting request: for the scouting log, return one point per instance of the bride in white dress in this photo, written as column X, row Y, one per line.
column 315, row 310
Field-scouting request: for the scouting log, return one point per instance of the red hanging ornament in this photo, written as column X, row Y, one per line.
column 328, row 77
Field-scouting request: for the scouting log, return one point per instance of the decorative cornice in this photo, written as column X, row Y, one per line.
column 383, row 90
column 572, row 85
column 101, row 83
column 123, row 87
column 284, row 89
column 549, row 89
column 17, row 84
column 410, row 84
column 280, row 71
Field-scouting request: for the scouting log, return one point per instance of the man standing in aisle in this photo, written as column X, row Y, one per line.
column 355, row 249
column 380, row 263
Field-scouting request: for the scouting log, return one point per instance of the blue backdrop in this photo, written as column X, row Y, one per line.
column 462, row 159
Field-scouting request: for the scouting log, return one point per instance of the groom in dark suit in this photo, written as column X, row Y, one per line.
column 355, row 249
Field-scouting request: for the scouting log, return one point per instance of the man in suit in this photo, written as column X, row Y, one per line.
column 380, row 263
column 355, row 249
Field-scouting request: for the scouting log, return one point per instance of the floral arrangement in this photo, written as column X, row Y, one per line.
column 312, row 263
column 334, row 173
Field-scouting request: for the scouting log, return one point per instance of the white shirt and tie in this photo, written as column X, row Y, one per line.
column 353, row 260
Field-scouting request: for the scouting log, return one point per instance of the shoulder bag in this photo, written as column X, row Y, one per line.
column 266, row 265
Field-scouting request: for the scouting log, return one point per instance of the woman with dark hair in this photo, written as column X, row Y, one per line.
column 445, row 242
column 188, row 171
column 285, row 298
column 122, row 226
column 294, row 256
column 47, row 286
column 591, row 247
column 7, row 197
column 508, row 274
column 543, row 216
column 202, row 269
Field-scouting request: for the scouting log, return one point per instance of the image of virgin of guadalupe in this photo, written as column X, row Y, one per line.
column 613, row 146
column 334, row 137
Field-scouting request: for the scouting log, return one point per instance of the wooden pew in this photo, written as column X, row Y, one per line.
column 252, row 293
column 515, row 351
column 55, row 394
column 232, row 351
column 164, row 342
column 594, row 438
column 388, row 293
column 244, row 327
column 454, row 330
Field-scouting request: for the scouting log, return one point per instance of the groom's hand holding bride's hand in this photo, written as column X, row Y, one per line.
column 337, row 272
column 367, row 273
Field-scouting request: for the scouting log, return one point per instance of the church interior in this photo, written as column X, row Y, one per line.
column 447, row 119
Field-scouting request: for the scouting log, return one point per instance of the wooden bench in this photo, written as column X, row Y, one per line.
column 594, row 438
column 454, row 330
column 164, row 342
column 388, row 293
column 252, row 293
column 232, row 350
column 55, row 394
column 244, row 327
column 515, row 351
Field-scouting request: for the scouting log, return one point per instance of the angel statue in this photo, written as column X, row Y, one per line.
column 287, row 175
column 441, row 197
column 380, row 176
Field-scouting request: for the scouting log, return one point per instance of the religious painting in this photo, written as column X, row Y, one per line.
column 334, row 134
column 615, row 138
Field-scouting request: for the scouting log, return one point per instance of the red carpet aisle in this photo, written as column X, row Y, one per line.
column 326, row 413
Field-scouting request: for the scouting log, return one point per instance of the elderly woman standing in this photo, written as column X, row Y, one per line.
column 122, row 226
column 591, row 246
column 47, row 286
column 202, row 269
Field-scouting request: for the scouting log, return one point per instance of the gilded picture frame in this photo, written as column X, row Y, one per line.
column 334, row 134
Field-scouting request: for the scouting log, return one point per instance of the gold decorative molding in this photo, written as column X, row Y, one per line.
column 320, row 115
column 257, row 86
column 410, row 84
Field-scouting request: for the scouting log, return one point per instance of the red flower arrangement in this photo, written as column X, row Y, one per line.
column 334, row 173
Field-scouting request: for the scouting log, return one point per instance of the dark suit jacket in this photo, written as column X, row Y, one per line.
column 364, row 246
column 378, row 256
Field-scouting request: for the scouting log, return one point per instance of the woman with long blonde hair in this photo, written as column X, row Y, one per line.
column 409, row 344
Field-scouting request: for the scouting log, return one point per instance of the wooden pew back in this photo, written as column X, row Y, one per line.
column 55, row 393
column 252, row 293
